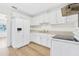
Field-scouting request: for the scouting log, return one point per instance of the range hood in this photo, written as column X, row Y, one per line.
column 70, row 9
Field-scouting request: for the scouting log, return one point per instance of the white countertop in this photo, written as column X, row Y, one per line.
column 65, row 41
column 53, row 33
column 68, row 33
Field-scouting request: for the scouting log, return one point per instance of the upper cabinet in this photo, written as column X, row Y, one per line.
column 45, row 18
column 60, row 19
column 35, row 21
column 72, row 20
column 66, row 15
column 70, row 9
column 52, row 17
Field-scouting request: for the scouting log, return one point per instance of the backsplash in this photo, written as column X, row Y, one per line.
column 59, row 27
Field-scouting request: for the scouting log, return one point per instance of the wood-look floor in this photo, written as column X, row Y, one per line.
column 32, row 49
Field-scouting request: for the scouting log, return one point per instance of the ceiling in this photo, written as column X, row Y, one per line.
column 29, row 8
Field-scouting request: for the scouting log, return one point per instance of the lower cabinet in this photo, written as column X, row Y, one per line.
column 35, row 37
column 45, row 40
column 49, row 42
column 60, row 48
column 42, row 39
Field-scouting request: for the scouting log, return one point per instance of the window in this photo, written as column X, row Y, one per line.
column 2, row 27
column 3, row 23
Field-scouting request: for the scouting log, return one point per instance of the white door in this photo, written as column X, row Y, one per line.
column 20, row 32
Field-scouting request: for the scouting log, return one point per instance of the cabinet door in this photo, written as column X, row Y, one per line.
column 57, row 49
column 49, row 42
column 44, row 18
column 35, row 21
column 35, row 37
column 60, row 48
column 75, row 50
column 32, row 36
column 60, row 18
column 73, row 20
column 52, row 17
column 43, row 39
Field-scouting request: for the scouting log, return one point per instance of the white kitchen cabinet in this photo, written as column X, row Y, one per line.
column 41, row 38
column 62, row 48
column 48, row 17
column 32, row 36
column 49, row 41
column 45, row 40
column 44, row 18
column 52, row 17
column 73, row 20
column 35, row 37
column 34, row 21
column 60, row 19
